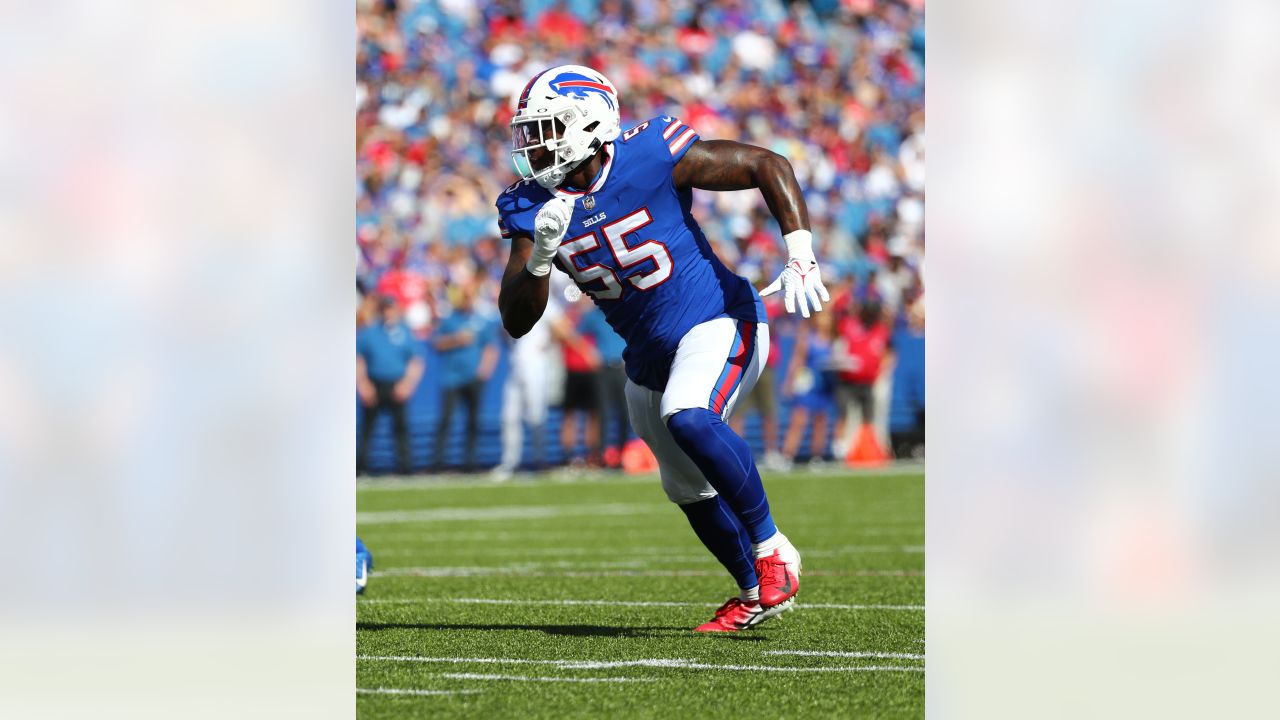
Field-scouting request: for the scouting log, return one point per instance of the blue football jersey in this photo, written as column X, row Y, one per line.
column 635, row 248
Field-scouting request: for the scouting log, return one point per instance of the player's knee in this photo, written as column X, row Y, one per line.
column 692, row 426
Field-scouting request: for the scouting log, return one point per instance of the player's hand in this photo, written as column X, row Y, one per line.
column 549, row 228
column 801, row 285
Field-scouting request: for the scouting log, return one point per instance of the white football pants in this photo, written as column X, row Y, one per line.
column 716, row 363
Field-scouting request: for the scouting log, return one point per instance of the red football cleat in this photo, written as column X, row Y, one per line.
column 733, row 616
column 779, row 580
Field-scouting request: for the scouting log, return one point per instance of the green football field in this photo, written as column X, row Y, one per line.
column 575, row 597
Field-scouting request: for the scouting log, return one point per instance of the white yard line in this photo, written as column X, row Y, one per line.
column 695, row 665
column 413, row 691
column 518, row 567
column 459, row 660
column 541, row 570
column 862, row 549
column 774, row 668
column 482, row 482
column 617, row 603
column 505, row 512
column 649, row 554
column 832, row 653
column 871, row 530
column 610, row 664
column 487, row 601
column 537, row 570
column 522, row 537
column 519, row 537
column 678, row 663
column 837, row 606
column 525, row 678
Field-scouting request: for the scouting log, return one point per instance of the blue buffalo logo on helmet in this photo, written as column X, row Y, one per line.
column 577, row 85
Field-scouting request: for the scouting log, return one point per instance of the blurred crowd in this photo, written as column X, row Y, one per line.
column 835, row 86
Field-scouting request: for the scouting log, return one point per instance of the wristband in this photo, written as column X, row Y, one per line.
column 538, row 266
column 799, row 244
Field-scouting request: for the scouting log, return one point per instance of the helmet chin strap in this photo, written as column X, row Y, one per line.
column 552, row 179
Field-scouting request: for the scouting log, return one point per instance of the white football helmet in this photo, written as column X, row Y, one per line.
column 563, row 116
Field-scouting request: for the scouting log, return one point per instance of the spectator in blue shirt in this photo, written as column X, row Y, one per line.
column 906, row 403
column 611, row 384
column 389, row 365
column 465, row 340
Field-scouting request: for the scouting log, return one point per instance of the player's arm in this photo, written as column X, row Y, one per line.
column 523, row 296
column 728, row 165
column 525, row 285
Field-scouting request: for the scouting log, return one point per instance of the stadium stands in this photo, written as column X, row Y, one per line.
column 835, row 86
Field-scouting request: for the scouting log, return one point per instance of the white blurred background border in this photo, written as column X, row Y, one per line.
column 177, row 435
column 1104, row 284
column 176, row 430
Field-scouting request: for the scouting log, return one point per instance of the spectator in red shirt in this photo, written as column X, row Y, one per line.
column 558, row 24
column 506, row 26
column 581, row 362
column 694, row 40
column 409, row 289
column 860, row 355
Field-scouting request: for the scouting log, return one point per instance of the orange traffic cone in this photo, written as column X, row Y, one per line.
column 866, row 450
column 637, row 458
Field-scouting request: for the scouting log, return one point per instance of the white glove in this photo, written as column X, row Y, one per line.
column 800, row 281
column 549, row 227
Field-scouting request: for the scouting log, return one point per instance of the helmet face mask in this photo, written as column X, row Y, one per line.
column 564, row 115
column 535, row 150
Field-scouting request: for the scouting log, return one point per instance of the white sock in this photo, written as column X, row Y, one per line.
column 751, row 594
column 766, row 548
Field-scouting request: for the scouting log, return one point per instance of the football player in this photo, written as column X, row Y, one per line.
column 612, row 209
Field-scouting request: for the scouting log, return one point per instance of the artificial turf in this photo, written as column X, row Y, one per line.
column 498, row 601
